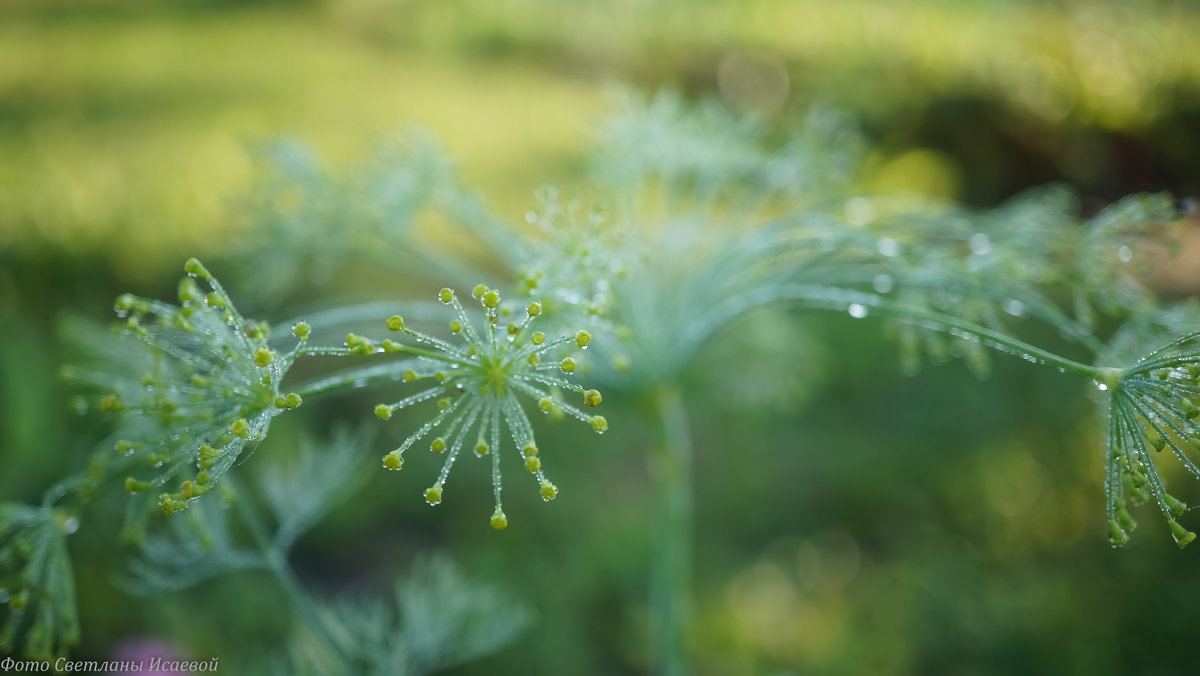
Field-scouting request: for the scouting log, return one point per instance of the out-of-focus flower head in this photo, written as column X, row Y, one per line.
column 209, row 388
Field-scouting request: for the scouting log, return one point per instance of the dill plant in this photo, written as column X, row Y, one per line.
column 704, row 220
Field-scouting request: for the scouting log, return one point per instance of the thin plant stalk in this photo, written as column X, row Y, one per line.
column 670, row 580
column 277, row 563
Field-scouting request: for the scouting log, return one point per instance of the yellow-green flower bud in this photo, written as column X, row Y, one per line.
column 1189, row 409
column 410, row 375
column 491, row 298
column 133, row 485
column 301, row 330
column 433, row 494
column 383, row 411
column 545, row 403
column 567, row 365
column 395, row 323
column 532, row 463
column 1125, row 519
column 1117, row 536
column 538, row 338
column 530, row 449
column 481, row 447
column 583, row 338
column 169, row 505
column 393, row 460
column 1176, row 507
column 1183, row 537
column 188, row 290
column 263, row 357
column 592, row 397
column 499, row 521
column 443, row 403
column 446, row 295
column 456, row 326
column 438, row 445
column 598, row 423
column 289, row 401
column 195, row 267
column 479, row 290
column 534, row 309
column 548, row 491
column 240, row 428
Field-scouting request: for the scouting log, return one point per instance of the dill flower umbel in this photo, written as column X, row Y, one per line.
column 1152, row 408
column 476, row 388
column 210, row 387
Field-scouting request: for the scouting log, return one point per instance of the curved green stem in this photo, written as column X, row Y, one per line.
column 277, row 563
column 352, row 379
column 835, row 298
column 670, row 579
column 338, row 351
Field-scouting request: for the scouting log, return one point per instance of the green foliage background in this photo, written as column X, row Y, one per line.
column 867, row 522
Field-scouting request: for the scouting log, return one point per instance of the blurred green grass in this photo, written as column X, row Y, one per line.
column 127, row 120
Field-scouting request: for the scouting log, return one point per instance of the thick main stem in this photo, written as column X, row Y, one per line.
column 670, row 580
column 277, row 563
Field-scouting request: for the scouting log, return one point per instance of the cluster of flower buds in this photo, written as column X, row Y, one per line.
column 476, row 387
column 1152, row 409
column 211, row 386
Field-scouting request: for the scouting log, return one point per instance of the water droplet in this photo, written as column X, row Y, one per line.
column 980, row 244
column 70, row 525
column 882, row 283
column 888, row 247
column 857, row 311
column 1125, row 254
column 1103, row 387
column 859, row 211
column 1014, row 307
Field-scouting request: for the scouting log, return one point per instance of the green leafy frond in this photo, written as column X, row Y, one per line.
column 306, row 485
column 305, row 220
column 198, row 546
column 1113, row 257
column 37, row 589
column 440, row 619
column 1151, row 409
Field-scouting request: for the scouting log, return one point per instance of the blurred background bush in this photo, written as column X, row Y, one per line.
column 873, row 523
